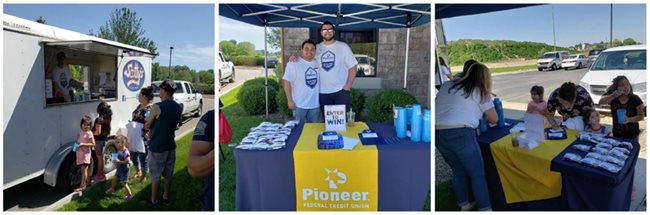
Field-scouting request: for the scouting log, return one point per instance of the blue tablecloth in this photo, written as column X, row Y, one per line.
column 580, row 184
column 266, row 181
column 596, row 189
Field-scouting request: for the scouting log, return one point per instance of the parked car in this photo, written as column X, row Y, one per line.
column 629, row 61
column 551, row 60
column 271, row 63
column 186, row 95
column 593, row 54
column 226, row 69
column 364, row 65
column 575, row 61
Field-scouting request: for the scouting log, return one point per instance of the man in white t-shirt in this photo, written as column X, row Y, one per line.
column 338, row 68
column 301, row 82
column 63, row 79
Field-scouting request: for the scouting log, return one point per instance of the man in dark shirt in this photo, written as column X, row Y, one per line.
column 162, row 121
column 200, row 162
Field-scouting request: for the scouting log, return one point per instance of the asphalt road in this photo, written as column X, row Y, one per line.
column 34, row 195
column 516, row 87
column 243, row 74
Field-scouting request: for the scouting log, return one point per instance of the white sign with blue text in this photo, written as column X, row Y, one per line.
column 335, row 117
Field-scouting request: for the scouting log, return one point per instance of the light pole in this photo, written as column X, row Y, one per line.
column 170, row 61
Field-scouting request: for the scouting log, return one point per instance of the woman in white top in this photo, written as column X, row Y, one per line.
column 446, row 73
column 460, row 104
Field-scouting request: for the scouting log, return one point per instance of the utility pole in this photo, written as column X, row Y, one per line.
column 611, row 25
column 170, row 62
column 553, row 18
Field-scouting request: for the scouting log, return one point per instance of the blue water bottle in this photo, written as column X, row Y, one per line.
column 409, row 114
column 416, row 125
column 426, row 126
column 498, row 106
column 401, row 123
column 482, row 124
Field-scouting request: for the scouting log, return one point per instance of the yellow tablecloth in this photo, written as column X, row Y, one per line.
column 526, row 174
column 335, row 179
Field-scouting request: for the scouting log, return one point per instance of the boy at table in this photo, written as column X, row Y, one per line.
column 301, row 85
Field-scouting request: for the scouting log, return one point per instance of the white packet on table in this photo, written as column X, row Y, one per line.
column 610, row 167
column 581, row 147
column 572, row 157
column 602, row 151
column 615, row 160
column 604, row 145
column 590, row 162
column 596, row 156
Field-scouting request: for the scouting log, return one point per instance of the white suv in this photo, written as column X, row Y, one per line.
column 629, row 61
column 226, row 69
column 186, row 95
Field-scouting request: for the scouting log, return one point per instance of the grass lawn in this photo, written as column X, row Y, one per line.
column 240, row 123
column 507, row 69
column 445, row 198
column 184, row 194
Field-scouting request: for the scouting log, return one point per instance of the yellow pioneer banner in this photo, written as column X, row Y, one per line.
column 335, row 179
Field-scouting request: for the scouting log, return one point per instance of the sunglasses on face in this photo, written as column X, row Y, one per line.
column 327, row 30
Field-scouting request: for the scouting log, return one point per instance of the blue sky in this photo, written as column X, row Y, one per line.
column 574, row 24
column 188, row 28
column 230, row 29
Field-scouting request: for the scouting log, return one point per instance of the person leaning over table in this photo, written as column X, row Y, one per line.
column 620, row 95
column 569, row 101
column 460, row 104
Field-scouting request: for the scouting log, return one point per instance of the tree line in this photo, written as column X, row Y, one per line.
column 487, row 51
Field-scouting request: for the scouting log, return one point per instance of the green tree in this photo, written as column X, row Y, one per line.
column 629, row 41
column 617, row 43
column 206, row 76
column 245, row 49
column 273, row 38
column 124, row 26
column 41, row 20
column 228, row 48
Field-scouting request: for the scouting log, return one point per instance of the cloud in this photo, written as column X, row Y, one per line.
column 196, row 56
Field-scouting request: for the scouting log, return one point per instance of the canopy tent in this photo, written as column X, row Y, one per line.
column 343, row 16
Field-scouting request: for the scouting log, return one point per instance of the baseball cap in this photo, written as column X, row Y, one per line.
column 168, row 85
column 60, row 55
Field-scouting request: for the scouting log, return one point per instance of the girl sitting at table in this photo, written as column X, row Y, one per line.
column 460, row 104
column 592, row 123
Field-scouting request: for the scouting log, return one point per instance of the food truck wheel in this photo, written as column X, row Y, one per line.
column 109, row 149
column 69, row 175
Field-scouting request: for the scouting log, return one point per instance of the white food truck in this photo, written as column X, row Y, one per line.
column 39, row 124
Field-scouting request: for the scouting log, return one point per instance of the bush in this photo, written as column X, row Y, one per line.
column 357, row 101
column 205, row 88
column 278, row 70
column 244, row 60
column 259, row 60
column 281, row 100
column 380, row 105
column 260, row 81
column 251, row 99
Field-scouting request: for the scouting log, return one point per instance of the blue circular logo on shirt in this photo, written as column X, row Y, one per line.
column 133, row 75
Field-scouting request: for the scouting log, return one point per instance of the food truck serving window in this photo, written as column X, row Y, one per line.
column 80, row 71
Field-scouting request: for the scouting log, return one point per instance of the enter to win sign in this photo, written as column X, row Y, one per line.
column 335, row 180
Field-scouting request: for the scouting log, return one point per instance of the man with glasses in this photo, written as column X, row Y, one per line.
column 338, row 68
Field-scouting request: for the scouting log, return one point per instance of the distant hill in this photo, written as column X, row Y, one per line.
column 495, row 50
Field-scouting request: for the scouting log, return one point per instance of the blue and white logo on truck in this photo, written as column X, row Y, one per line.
column 133, row 75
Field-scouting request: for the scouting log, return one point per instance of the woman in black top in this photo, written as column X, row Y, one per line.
column 140, row 115
column 621, row 98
